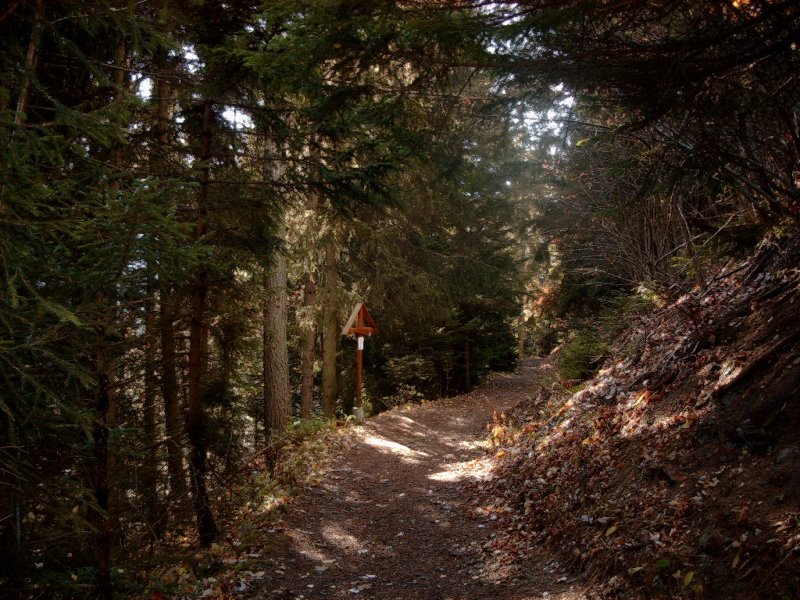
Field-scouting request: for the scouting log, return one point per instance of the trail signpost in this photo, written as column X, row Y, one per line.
column 359, row 325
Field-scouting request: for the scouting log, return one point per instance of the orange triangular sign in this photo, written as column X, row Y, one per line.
column 360, row 322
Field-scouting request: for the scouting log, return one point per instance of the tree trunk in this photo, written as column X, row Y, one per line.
column 105, row 411
column 522, row 334
column 150, row 479
column 277, row 401
column 308, row 322
column 30, row 65
column 19, row 120
column 331, row 331
column 102, row 523
column 195, row 422
column 277, row 405
column 173, row 422
column 195, row 426
column 309, row 356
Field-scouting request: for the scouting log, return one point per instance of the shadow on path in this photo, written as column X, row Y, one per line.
column 394, row 519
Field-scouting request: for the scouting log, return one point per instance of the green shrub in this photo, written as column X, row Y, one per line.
column 582, row 355
column 301, row 429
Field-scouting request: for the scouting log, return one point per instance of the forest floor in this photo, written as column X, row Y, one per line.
column 673, row 473
column 397, row 516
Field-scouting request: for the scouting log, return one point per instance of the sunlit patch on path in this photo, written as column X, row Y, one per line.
column 394, row 448
column 395, row 518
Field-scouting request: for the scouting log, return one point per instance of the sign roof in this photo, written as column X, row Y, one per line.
column 360, row 322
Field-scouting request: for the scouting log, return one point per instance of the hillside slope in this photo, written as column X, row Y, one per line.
column 675, row 472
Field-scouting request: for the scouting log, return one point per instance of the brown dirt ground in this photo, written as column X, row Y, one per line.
column 397, row 517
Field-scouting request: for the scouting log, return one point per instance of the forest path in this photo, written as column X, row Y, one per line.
column 396, row 518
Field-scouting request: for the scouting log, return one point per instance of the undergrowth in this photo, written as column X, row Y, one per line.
column 179, row 570
column 590, row 339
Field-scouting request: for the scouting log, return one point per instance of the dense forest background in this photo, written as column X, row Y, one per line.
column 193, row 195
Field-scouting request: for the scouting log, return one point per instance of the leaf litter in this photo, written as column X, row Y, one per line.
column 675, row 471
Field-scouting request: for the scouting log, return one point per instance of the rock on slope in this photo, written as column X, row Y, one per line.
column 675, row 472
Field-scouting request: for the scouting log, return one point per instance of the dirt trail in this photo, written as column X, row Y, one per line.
column 395, row 518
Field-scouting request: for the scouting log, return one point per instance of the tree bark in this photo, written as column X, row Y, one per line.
column 164, row 107
column 277, row 401
column 30, row 65
column 522, row 334
column 173, row 423
column 195, row 426
column 309, row 330
column 19, row 119
column 277, row 405
column 102, row 523
column 150, row 479
column 105, row 410
column 309, row 356
column 331, row 331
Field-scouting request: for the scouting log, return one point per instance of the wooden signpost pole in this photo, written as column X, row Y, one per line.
column 359, row 324
column 359, row 363
column 359, row 411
